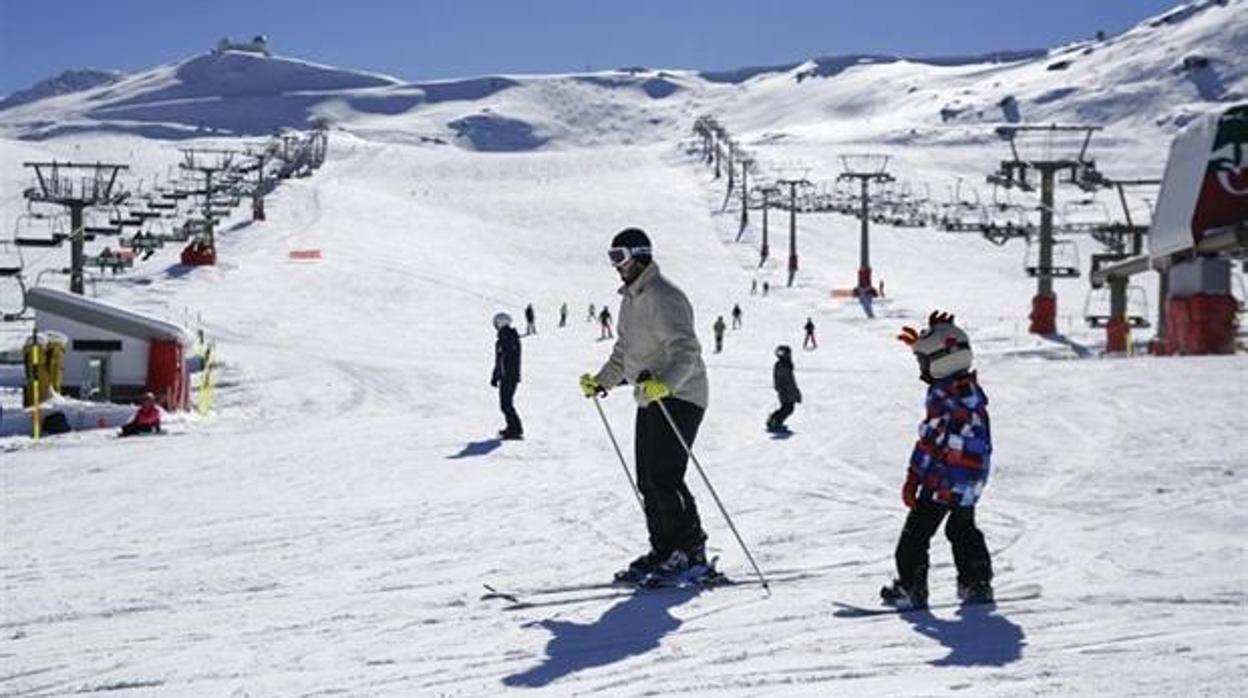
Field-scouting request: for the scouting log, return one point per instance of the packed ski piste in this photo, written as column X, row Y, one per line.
column 318, row 381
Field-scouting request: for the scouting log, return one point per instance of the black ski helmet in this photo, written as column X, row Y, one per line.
column 783, row 352
column 635, row 240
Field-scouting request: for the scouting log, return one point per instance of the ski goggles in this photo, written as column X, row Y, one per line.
column 619, row 256
column 926, row 360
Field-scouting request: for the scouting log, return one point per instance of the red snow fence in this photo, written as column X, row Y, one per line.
column 305, row 255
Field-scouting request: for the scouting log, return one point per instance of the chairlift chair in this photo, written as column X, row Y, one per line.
column 1065, row 263
column 1097, row 304
column 87, row 275
column 39, row 230
column 12, row 266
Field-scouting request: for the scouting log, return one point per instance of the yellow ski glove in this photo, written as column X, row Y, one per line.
column 590, row 386
column 654, row 389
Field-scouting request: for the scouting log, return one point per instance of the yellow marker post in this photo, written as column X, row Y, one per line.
column 34, row 391
column 206, row 387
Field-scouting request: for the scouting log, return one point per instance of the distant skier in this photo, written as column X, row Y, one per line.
column 948, row 468
column 507, row 374
column 786, row 389
column 753, row 287
column 563, row 315
column 766, row 288
column 809, row 341
column 881, row 288
column 604, row 320
column 719, row 328
column 658, row 352
column 146, row 420
column 530, row 320
column 592, row 315
column 736, row 316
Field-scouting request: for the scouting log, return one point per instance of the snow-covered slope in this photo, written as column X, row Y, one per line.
column 328, row 529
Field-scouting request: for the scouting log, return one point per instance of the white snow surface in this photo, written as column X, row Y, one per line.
column 327, row 530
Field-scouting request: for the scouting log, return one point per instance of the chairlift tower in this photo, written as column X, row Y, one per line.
column 865, row 176
column 1015, row 172
column 261, row 155
column 95, row 185
column 793, row 184
column 208, row 162
column 746, row 163
column 765, row 250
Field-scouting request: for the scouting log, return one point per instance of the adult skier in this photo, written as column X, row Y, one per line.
column 563, row 315
column 530, row 319
column 658, row 352
column 604, row 322
column 786, row 389
column 808, row 342
column 736, row 316
column 592, row 315
column 948, row 468
column 507, row 374
column 719, row 328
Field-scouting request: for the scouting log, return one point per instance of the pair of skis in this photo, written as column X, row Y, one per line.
column 561, row 595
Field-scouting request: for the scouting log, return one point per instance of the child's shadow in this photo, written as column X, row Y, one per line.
column 630, row 628
column 979, row 638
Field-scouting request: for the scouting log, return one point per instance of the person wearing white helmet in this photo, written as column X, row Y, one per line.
column 507, row 374
column 657, row 351
column 948, row 468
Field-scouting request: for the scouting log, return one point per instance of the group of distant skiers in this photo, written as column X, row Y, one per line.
column 656, row 351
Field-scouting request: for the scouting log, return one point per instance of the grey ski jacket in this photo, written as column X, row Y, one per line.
column 655, row 333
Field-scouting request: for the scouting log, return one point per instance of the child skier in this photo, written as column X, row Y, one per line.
column 786, row 389
column 948, row 469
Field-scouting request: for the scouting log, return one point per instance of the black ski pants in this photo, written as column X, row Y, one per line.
column 671, row 515
column 506, row 392
column 970, row 554
column 777, row 418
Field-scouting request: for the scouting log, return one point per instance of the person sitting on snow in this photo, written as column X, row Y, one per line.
column 146, row 420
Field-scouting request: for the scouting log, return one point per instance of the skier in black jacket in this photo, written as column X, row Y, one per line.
column 507, row 374
column 786, row 389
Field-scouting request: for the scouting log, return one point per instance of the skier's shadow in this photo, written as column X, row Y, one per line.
column 628, row 629
column 476, row 448
column 979, row 638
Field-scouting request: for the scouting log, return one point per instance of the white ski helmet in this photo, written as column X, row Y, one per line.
column 942, row 349
column 501, row 320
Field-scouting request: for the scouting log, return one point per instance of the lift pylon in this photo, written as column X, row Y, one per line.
column 865, row 169
column 76, row 186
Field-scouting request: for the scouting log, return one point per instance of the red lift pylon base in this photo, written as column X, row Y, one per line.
column 1043, row 315
column 1200, row 324
column 865, row 288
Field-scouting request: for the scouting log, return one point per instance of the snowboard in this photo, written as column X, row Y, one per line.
column 1022, row 593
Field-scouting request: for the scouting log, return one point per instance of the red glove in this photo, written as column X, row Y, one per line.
column 910, row 491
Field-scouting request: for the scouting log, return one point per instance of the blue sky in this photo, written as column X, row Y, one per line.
column 427, row 39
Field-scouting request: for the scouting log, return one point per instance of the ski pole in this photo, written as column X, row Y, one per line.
column 623, row 463
column 714, row 494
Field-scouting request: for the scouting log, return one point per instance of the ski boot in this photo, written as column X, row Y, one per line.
column 639, row 569
column 904, row 597
column 975, row 592
column 681, row 569
column 507, row 435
